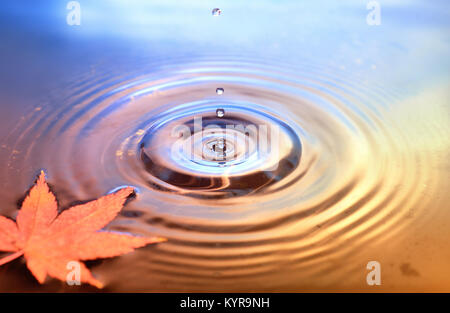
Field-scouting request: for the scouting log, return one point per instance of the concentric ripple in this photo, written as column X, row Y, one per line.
column 233, row 153
column 325, row 180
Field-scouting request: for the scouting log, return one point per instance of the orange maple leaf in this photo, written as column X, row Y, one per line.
column 50, row 241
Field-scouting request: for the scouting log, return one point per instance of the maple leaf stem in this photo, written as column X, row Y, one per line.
column 11, row 257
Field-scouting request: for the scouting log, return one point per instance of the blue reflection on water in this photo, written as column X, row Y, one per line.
column 412, row 33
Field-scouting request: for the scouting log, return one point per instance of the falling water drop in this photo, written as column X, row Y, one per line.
column 220, row 113
column 216, row 12
column 220, row 91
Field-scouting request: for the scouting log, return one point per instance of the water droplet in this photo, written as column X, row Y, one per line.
column 216, row 12
column 220, row 112
column 220, row 91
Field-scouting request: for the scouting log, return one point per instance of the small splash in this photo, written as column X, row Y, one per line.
column 216, row 12
column 220, row 91
column 220, row 113
column 219, row 148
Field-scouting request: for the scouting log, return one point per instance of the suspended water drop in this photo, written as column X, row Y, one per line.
column 220, row 112
column 220, row 91
column 216, row 12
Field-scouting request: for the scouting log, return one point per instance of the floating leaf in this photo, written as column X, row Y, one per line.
column 50, row 241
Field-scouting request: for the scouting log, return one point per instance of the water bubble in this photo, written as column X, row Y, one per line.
column 216, row 12
column 220, row 91
column 220, row 112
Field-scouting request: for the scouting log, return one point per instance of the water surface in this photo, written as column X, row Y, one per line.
column 363, row 112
